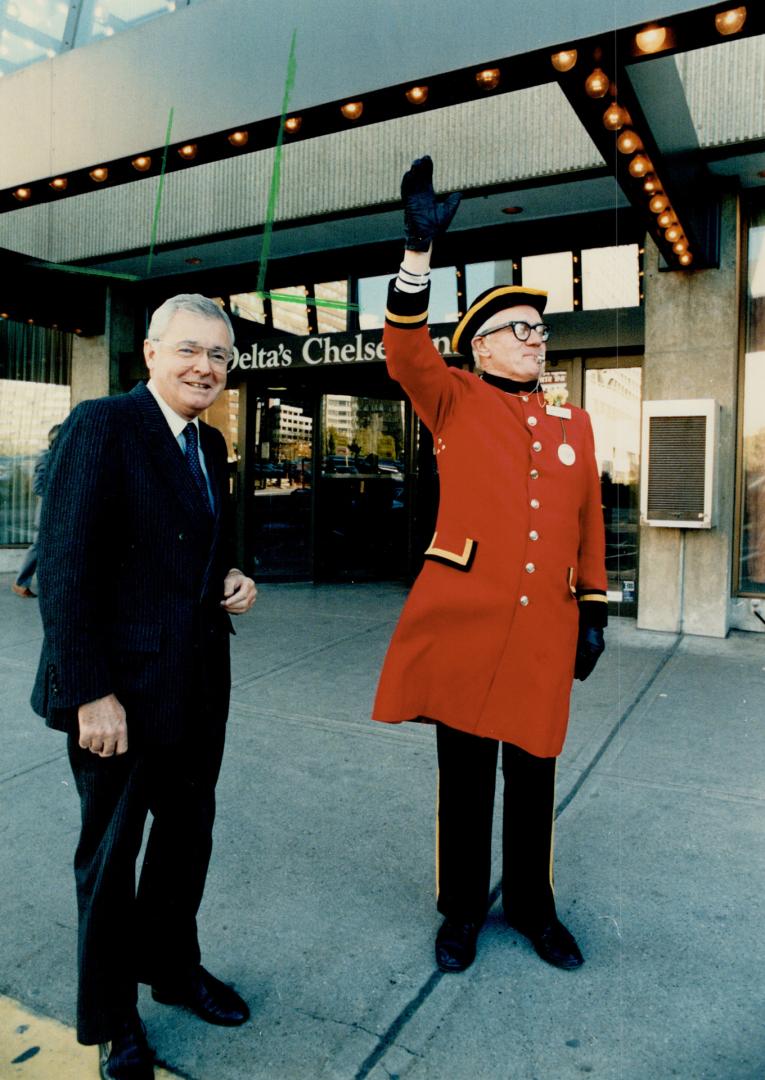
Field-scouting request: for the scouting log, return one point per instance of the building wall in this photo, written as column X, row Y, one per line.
column 691, row 351
column 90, row 368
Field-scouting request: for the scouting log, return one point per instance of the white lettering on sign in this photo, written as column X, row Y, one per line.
column 317, row 350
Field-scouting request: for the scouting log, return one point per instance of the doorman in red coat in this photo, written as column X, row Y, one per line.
column 511, row 603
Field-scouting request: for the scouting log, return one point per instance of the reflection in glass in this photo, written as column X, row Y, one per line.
column 483, row 275
column 290, row 315
column 361, row 531
column 752, row 576
column 223, row 414
column 610, row 277
column 104, row 18
column 612, row 398
column 373, row 296
column 28, row 410
column 555, row 274
column 331, row 319
column 443, row 307
column 248, row 306
column 280, row 501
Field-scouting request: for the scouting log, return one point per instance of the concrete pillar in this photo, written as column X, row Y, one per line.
column 691, row 351
column 90, row 368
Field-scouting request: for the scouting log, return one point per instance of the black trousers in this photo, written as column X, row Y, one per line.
column 467, row 770
column 150, row 935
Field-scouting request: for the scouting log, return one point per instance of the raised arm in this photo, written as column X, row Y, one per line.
column 411, row 357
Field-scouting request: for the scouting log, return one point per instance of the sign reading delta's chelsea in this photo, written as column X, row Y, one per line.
column 359, row 348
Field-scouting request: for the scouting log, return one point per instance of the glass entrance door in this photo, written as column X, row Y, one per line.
column 280, row 476
column 612, row 398
column 361, row 528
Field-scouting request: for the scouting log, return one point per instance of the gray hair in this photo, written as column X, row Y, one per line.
column 193, row 302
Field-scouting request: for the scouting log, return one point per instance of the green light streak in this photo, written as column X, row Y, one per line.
column 273, row 194
column 160, row 189
column 89, row 271
column 309, row 300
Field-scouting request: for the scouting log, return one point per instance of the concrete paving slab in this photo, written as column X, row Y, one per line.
column 320, row 901
column 671, row 986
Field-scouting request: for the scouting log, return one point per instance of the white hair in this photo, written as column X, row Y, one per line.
column 193, row 302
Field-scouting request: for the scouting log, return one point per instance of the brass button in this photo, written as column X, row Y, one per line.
column 533, row 535
column 535, row 504
column 536, row 446
column 532, row 421
column 534, row 474
column 524, row 601
column 530, row 568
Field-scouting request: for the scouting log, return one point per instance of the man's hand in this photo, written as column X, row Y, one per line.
column 588, row 649
column 239, row 593
column 103, row 727
column 424, row 216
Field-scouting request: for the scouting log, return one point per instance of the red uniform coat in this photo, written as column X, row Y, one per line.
column 487, row 639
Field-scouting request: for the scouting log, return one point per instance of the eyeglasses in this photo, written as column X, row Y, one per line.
column 522, row 330
column 190, row 350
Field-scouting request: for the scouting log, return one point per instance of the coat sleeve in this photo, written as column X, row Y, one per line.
column 591, row 574
column 74, row 550
column 414, row 361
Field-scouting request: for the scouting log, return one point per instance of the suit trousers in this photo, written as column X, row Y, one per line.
column 467, row 770
column 150, row 935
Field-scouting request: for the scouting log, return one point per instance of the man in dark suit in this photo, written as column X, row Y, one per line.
column 135, row 595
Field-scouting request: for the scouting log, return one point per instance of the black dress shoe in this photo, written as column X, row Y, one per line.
column 206, row 996
column 455, row 945
column 128, row 1055
column 554, row 944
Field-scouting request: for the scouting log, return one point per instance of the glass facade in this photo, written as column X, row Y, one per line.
column 752, row 547
column 612, row 397
column 34, row 396
column 32, row 30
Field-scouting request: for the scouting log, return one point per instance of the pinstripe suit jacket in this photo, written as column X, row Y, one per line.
column 131, row 570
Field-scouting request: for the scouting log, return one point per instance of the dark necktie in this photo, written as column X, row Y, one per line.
column 192, row 460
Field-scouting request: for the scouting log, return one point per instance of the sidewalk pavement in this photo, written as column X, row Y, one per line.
column 320, row 900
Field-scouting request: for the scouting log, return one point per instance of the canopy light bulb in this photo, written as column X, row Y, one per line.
column 650, row 185
column 99, row 174
column 628, row 142
column 686, row 259
column 673, row 233
column 563, row 61
column 188, row 151
column 731, row 21
column 680, row 247
column 239, row 138
column 352, row 110
column 652, row 40
column 59, row 183
column 666, row 219
column 488, row 79
column 141, row 163
column 639, row 166
column 293, row 124
column 614, row 117
column 596, row 84
column 417, row 95
column 23, row 194
column 658, row 203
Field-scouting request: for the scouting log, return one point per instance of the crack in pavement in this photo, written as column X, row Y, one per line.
column 388, row 1039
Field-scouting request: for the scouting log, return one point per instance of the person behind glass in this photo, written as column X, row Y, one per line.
column 136, row 590
column 510, row 604
column 22, row 584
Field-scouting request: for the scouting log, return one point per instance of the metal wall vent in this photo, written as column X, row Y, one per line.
column 678, row 463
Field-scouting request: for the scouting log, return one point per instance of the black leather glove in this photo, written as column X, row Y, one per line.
column 424, row 216
column 589, row 646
